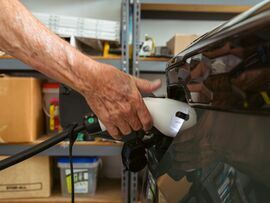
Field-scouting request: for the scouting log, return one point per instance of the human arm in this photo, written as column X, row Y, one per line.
column 113, row 95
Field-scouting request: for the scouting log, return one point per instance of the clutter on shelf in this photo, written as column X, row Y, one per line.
column 51, row 107
column 175, row 45
column 179, row 42
column 147, row 47
column 68, row 26
column 96, row 47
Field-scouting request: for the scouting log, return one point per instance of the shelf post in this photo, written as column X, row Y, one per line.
column 125, row 36
column 136, row 37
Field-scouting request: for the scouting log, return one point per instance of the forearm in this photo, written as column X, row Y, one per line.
column 113, row 95
column 25, row 38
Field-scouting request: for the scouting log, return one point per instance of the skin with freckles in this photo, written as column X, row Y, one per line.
column 113, row 95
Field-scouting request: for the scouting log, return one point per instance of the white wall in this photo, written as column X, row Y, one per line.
column 101, row 9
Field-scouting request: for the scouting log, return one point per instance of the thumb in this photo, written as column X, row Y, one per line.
column 147, row 86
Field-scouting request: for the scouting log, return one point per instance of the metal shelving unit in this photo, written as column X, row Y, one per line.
column 13, row 64
column 79, row 149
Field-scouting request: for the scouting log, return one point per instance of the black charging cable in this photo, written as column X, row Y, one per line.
column 32, row 151
column 90, row 125
column 72, row 138
column 71, row 133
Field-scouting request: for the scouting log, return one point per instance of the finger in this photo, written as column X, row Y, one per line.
column 131, row 117
column 113, row 131
column 147, row 86
column 134, row 122
column 123, row 126
column 117, row 114
column 102, row 112
column 144, row 115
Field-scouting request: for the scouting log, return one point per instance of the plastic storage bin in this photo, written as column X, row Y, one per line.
column 85, row 175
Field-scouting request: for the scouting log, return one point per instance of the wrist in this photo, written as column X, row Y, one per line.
column 85, row 70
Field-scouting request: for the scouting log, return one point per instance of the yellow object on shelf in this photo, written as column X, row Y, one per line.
column 106, row 49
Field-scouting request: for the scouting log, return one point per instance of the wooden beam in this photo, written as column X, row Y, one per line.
column 93, row 57
column 199, row 8
column 108, row 191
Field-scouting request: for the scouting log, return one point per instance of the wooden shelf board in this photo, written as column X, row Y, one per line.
column 153, row 59
column 108, row 191
column 82, row 143
column 6, row 57
column 65, row 143
column 93, row 57
column 106, row 58
column 200, row 8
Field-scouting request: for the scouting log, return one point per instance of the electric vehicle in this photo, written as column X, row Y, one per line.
column 225, row 76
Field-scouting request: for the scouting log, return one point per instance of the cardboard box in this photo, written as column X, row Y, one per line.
column 179, row 42
column 171, row 190
column 30, row 178
column 21, row 117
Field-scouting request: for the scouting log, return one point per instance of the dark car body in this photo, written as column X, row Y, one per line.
column 225, row 76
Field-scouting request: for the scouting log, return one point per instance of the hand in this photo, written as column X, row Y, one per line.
column 116, row 100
